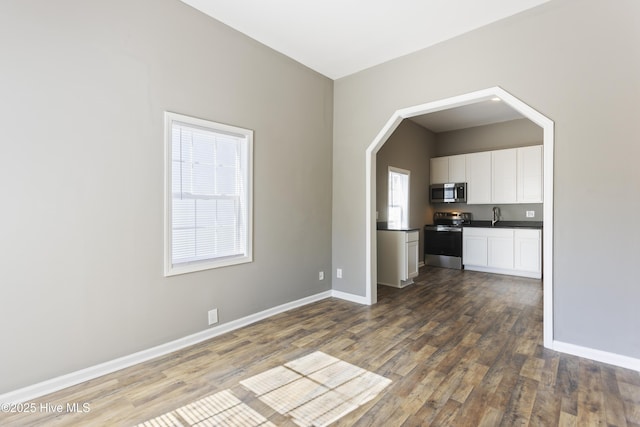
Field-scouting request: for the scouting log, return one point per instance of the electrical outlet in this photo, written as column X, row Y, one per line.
column 213, row 316
column 321, row 275
column 531, row 214
column 339, row 273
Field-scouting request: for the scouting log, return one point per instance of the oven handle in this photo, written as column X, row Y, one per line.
column 442, row 228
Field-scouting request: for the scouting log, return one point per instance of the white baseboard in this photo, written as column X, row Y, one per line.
column 350, row 297
column 55, row 384
column 598, row 355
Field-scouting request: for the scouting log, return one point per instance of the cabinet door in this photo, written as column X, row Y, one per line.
column 474, row 250
column 530, row 174
column 503, row 174
column 390, row 245
column 500, row 248
column 458, row 168
column 439, row 170
column 478, row 177
column 412, row 259
column 528, row 251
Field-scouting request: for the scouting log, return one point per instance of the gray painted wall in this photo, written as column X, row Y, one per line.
column 84, row 86
column 410, row 147
column 578, row 64
column 510, row 134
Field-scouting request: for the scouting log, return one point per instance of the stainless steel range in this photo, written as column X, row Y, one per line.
column 443, row 239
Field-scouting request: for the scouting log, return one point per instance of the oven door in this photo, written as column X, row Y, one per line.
column 443, row 240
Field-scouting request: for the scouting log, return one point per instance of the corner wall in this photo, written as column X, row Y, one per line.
column 410, row 147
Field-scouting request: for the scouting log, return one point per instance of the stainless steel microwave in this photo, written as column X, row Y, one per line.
column 455, row 192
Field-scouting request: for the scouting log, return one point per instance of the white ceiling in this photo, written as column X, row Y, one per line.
column 340, row 37
column 476, row 114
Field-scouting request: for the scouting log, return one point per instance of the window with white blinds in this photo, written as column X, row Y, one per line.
column 208, row 195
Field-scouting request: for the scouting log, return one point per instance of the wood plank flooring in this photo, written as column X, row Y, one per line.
column 461, row 348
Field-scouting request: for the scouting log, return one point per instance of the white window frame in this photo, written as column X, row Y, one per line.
column 404, row 210
column 171, row 269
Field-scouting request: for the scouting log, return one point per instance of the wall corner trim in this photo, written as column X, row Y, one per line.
column 597, row 355
column 58, row 383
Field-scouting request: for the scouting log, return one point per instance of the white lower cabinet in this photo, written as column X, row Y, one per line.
column 500, row 249
column 413, row 257
column 398, row 257
column 528, row 250
column 511, row 251
column 474, row 248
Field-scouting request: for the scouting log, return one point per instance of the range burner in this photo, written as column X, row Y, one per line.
column 452, row 218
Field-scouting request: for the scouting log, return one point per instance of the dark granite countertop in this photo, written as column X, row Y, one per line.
column 384, row 227
column 506, row 224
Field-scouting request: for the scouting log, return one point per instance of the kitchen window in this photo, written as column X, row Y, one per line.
column 208, row 194
column 398, row 198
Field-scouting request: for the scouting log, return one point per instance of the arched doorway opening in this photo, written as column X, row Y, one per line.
column 547, row 126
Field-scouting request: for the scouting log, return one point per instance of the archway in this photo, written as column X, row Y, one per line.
column 470, row 98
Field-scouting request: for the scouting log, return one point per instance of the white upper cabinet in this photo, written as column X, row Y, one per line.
column 530, row 174
column 478, row 167
column 439, row 170
column 503, row 176
column 514, row 175
column 448, row 169
column 457, row 168
column 506, row 176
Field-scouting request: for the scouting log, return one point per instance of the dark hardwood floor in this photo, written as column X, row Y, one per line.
column 461, row 348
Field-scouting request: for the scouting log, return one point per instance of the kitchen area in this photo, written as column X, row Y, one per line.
column 475, row 194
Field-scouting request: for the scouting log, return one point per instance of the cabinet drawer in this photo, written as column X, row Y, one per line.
column 488, row 232
column 469, row 231
column 412, row 236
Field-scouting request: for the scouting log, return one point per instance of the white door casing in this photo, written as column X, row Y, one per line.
column 470, row 98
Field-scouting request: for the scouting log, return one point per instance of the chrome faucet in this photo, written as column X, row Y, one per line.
column 496, row 215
